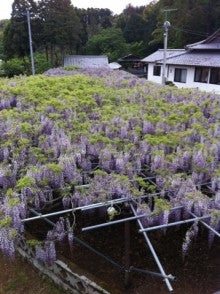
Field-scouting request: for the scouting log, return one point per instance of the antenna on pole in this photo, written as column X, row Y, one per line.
column 165, row 11
column 166, row 27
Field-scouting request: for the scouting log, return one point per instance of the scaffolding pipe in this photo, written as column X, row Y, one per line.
column 170, row 277
column 127, row 249
column 45, row 219
column 99, row 253
column 113, row 222
column 41, row 216
column 84, row 244
column 100, row 204
column 207, row 226
column 173, row 224
column 153, row 251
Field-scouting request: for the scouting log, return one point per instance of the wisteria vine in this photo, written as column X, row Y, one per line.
column 111, row 132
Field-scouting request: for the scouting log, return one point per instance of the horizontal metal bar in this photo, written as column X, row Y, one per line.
column 207, row 226
column 40, row 216
column 173, row 224
column 86, row 186
column 112, row 222
column 106, row 203
column 170, row 277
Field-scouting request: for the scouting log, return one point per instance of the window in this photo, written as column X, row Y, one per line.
column 201, row 74
column 215, row 76
column 180, row 75
column 157, row 70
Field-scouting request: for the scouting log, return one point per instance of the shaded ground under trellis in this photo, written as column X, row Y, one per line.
column 198, row 273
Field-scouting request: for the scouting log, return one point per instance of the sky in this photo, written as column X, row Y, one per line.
column 116, row 6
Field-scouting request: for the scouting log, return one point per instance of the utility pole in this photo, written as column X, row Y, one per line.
column 30, row 42
column 166, row 27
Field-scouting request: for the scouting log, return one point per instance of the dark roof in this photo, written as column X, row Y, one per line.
column 210, row 43
column 129, row 57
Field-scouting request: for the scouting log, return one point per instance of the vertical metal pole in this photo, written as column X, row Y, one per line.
column 127, row 252
column 153, row 252
column 30, row 42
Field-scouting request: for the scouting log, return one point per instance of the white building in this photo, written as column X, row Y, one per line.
column 196, row 66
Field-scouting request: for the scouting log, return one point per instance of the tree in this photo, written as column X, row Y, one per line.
column 135, row 29
column 92, row 21
column 15, row 38
column 55, row 28
column 137, row 24
column 3, row 24
column 132, row 24
column 60, row 29
column 109, row 42
column 191, row 22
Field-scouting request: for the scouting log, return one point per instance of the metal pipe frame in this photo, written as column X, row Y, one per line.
column 84, row 244
column 170, row 288
column 112, row 222
column 90, row 206
column 134, row 269
column 207, row 226
column 107, row 203
column 117, row 221
column 174, row 224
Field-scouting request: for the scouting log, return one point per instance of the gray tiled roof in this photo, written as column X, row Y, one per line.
column 203, row 53
column 85, row 61
column 186, row 58
column 211, row 46
column 211, row 43
column 196, row 59
column 158, row 55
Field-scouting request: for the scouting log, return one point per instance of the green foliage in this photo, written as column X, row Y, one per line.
column 3, row 24
column 109, row 42
column 56, row 168
column 33, row 242
column 26, row 181
column 190, row 22
column 70, row 67
column 22, row 66
column 5, row 222
column 161, row 205
column 14, row 67
column 41, row 63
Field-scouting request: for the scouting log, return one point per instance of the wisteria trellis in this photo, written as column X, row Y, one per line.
column 110, row 132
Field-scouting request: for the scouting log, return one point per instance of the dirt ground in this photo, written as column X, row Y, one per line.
column 19, row 277
column 198, row 273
